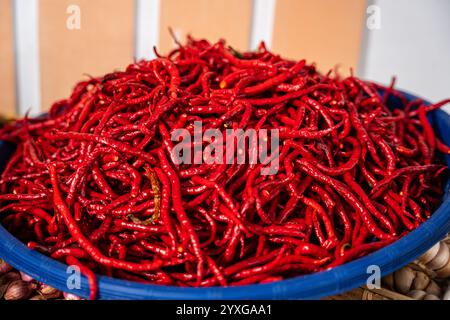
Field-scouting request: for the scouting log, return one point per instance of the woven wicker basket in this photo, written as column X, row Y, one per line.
column 364, row 293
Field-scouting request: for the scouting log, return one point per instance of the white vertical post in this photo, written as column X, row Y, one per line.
column 26, row 45
column 146, row 28
column 262, row 22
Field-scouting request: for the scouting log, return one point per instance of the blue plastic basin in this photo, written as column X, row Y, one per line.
column 326, row 283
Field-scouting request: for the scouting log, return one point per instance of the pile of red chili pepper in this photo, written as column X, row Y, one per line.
column 93, row 184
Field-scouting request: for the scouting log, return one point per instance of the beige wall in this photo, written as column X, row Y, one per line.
column 327, row 32
column 324, row 31
column 7, row 81
column 104, row 43
column 211, row 19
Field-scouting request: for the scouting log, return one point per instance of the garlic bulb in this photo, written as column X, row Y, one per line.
column 5, row 281
column 441, row 258
column 25, row 277
column 430, row 254
column 444, row 272
column 388, row 281
column 71, row 296
column 430, row 297
column 49, row 292
column 437, row 259
column 19, row 290
column 433, row 289
column 421, row 281
column 403, row 279
column 4, row 267
column 447, row 294
column 418, row 284
column 417, row 294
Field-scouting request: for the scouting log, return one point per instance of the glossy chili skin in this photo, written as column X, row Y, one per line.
column 95, row 184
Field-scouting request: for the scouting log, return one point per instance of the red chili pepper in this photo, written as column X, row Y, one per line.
column 95, row 183
column 76, row 232
column 347, row 195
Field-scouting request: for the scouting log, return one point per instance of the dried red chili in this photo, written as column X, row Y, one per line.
column 93, row 183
